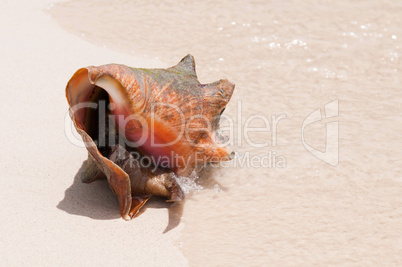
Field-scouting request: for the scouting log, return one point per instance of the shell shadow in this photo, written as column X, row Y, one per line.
column 97, row 201
column 94, row 200
column 175, row 210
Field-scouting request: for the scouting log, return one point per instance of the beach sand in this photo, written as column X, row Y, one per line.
column 328, row 194
column 48, row 216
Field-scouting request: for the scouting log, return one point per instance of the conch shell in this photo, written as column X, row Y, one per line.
column 146, row 128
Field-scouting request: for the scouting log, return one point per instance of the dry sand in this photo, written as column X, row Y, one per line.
column 48, row 217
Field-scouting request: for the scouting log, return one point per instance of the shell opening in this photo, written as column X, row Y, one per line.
column 94, row 103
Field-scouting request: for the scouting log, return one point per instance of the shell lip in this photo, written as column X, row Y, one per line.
column 78, row 92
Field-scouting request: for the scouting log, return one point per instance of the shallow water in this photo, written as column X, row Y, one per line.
column 287, row 59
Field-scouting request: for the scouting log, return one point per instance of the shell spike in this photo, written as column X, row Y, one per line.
column 186, row 65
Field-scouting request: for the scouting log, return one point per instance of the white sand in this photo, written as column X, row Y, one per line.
column 38, row 164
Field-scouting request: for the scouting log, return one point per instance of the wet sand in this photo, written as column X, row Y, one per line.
column 288, row 59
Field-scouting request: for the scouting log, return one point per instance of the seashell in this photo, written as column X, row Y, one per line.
column 144, row 129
